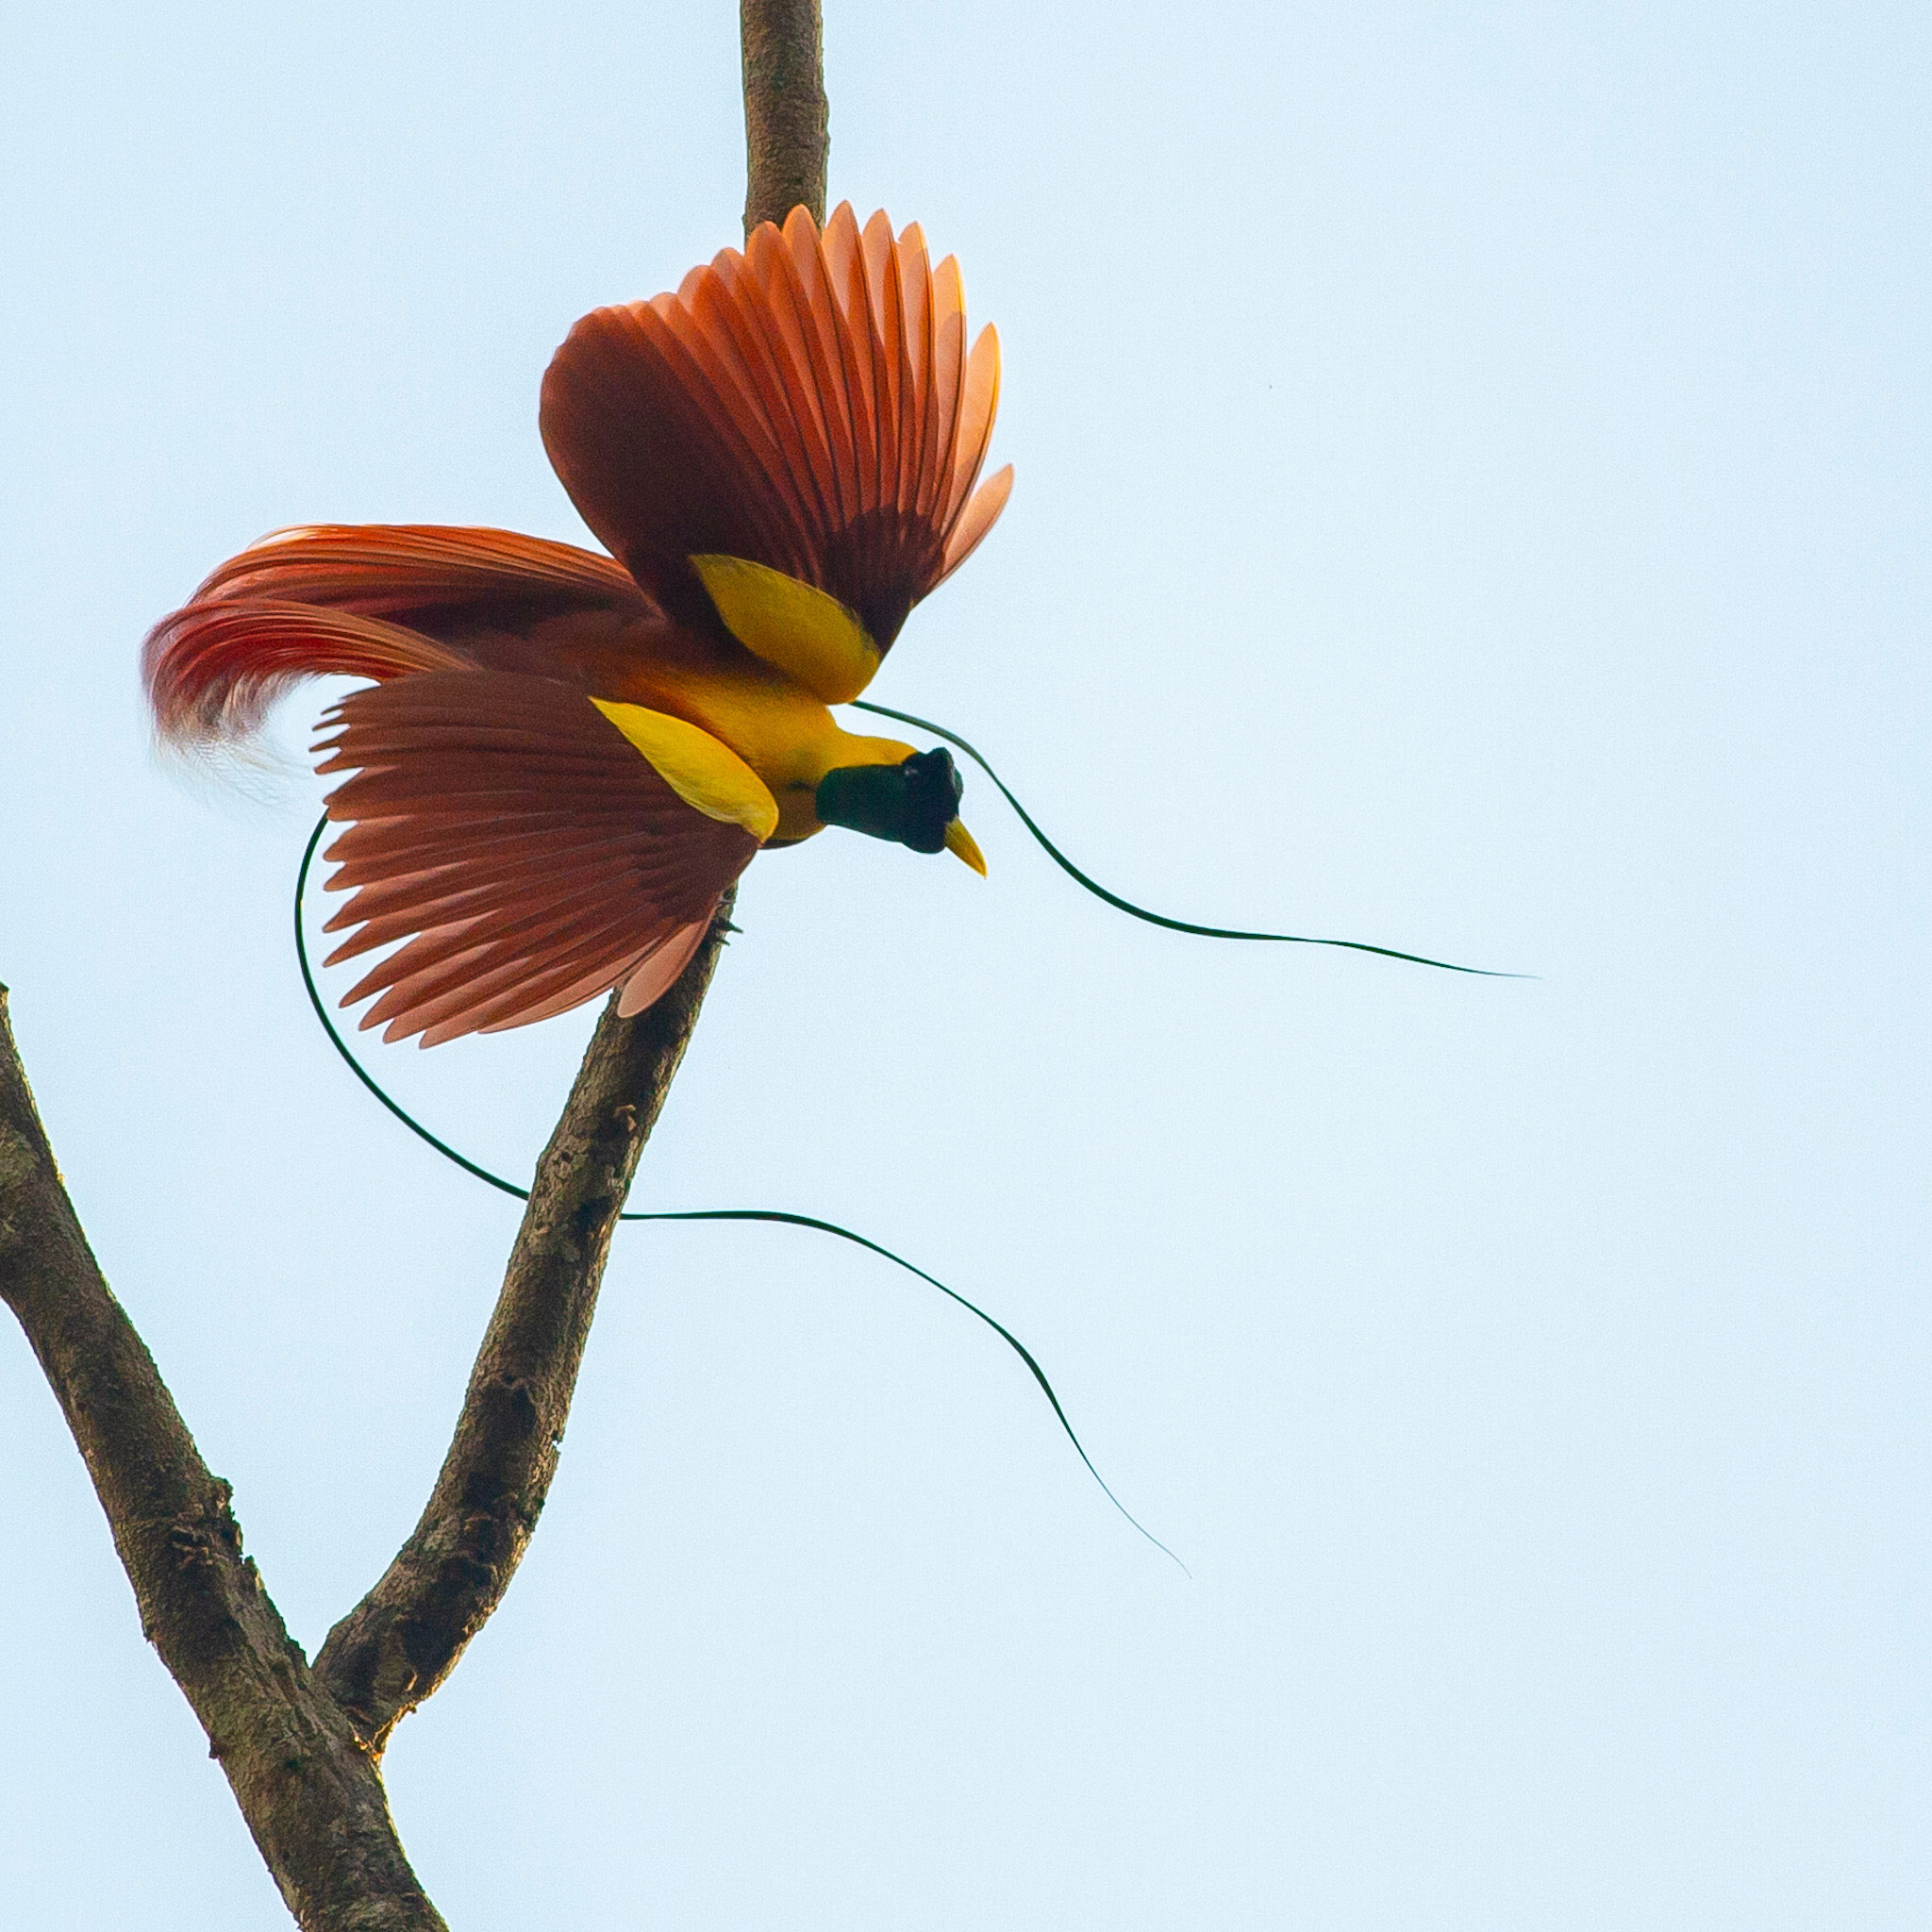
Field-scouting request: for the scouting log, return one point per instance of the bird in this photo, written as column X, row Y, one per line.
column 563, row 759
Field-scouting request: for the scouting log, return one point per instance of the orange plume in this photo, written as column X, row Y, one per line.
column 809, row 407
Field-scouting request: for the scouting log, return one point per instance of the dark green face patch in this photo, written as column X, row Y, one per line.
column 911, row 803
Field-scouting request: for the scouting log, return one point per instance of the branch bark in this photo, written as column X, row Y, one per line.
column 310, row 1791
column 788, row 136
column 405, row 1636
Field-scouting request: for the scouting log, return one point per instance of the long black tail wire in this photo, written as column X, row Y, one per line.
column 811, row 1220
column 769, row 1214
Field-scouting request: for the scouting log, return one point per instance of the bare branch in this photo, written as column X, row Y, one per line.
column 311, row 1793
column 786, row 123
column 394, row 1649
column 405, row 1636
column 301, row 1748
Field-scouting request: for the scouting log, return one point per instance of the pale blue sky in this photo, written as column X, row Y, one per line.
column 1472, row 496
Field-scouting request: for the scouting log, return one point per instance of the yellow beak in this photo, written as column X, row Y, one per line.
column 960, row 843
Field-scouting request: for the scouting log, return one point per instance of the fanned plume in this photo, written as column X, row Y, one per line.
column 807, row 404
column 527, row 853
column 380, row 601
column 215, row 670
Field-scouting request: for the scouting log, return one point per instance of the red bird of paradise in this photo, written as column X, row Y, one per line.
column 564, row 759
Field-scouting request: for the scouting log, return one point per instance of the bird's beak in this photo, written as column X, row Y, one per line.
column 960, row 843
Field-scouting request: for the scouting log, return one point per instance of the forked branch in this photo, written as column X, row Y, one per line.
column 300, row 1748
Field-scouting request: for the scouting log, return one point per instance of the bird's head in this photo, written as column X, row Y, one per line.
column 910, row 796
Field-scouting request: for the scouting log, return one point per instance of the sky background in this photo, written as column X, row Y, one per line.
column 1472, row 497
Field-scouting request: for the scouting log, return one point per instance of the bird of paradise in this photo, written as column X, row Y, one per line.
column 564, row 759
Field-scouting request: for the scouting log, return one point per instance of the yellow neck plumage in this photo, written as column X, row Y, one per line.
column 753, row 743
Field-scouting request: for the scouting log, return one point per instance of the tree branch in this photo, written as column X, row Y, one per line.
column 300, row 1748
column 786, row 123
column 311, row 1793
column 405, row 1636
column 394, row 1649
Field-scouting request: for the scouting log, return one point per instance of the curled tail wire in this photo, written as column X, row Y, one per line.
column 1100, row 892
column 770, row 1214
